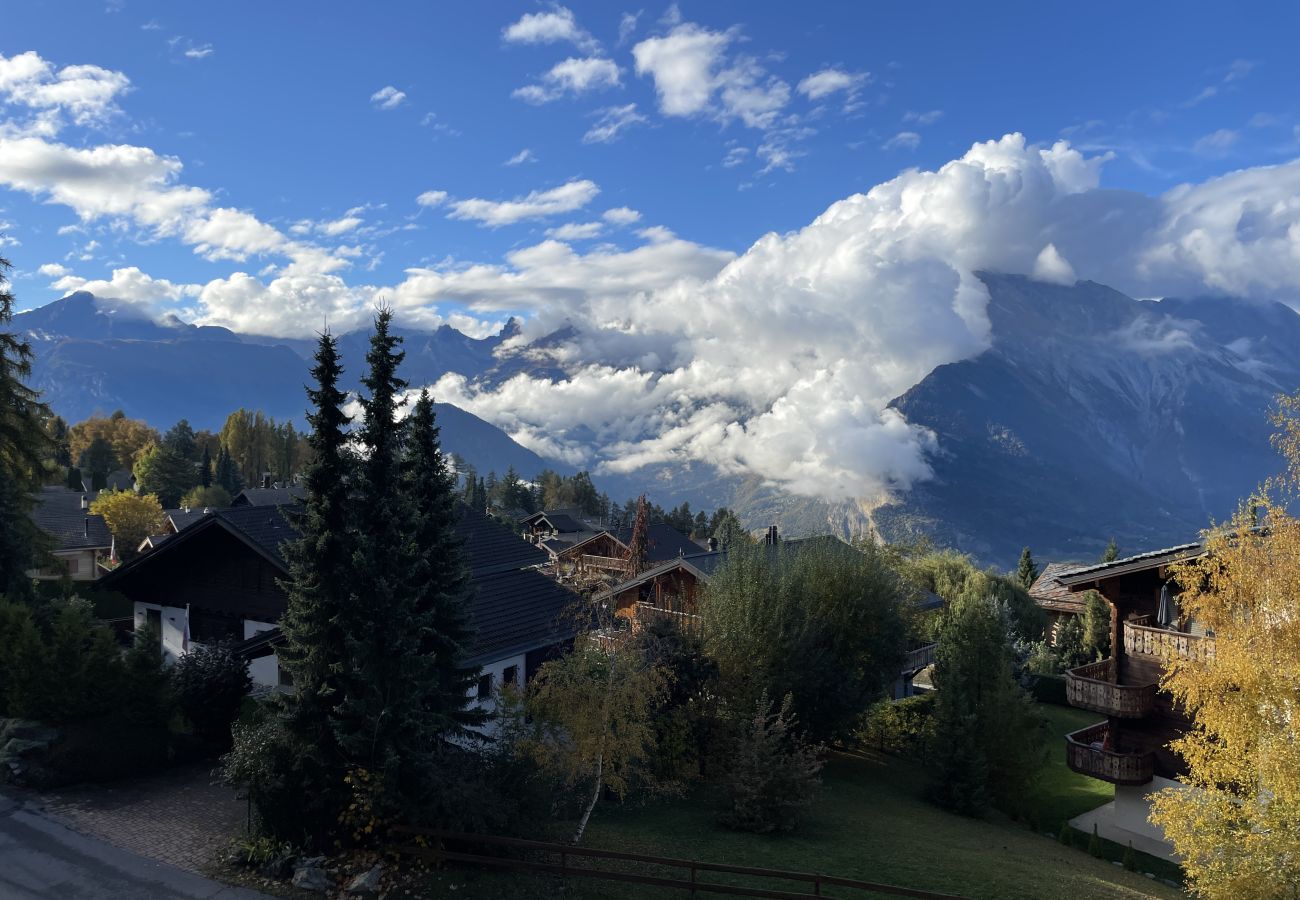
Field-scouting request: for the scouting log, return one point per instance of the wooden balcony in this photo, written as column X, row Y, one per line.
column 1094, row 687
column 1098, row 753
column 1165, row 644
column 918, row 659
column 604, row 563
column 646, row 611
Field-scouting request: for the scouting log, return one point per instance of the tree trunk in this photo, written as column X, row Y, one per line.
column 595, row 795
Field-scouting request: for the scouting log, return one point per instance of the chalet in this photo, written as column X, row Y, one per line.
column 1054, row 598
column 671, row 589
column 1130, row 747
column 80, row 540
column 555, row 530
column 222, row 575
column 605, row 552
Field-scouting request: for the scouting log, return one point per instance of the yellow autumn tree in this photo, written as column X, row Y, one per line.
column 1238, row 828
column 130, row 516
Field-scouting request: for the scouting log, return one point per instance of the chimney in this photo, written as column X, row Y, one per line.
column 85, row 503
column 266, row 480
column 772, row 538
column 713, row 545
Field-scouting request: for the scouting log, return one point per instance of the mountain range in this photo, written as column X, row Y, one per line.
column 1090, row 415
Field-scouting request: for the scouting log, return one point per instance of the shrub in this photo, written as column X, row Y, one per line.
column 1094, row 844
column 214, row 497
column 1066, row 834
column 105, row 749
column 210, row 683
column 900, row 726
column 775, row 774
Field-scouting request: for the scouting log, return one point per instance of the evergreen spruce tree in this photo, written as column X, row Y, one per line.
column 441, row 605
column 383, row 721
column 1027, row 573
column 1112, row 552
column 308, row 776
column 205, row 468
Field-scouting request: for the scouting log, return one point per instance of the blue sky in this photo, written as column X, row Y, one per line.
column 269, row 107
column 763, row 221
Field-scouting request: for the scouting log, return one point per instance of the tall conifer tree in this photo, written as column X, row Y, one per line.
column 439, row 576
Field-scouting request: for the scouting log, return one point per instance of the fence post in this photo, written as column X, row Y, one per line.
column 693, row 880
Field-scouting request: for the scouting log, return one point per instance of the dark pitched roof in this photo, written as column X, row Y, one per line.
column 183, row 518
column 59, row 514
column 266, row 528
column 1048, row 592
column 121, row 480
column 1080, row 578
column 491, row 546
column 518, row 611
column 564, row 521
column 664, row 542
column 270, row 496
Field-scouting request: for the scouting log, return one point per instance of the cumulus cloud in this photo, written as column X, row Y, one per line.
column 1052, row 266
column 87, row 94
column 611, row 122
column 568, row 197
column 555, row 25
column 908, row 140
column 387, row 97
column 432, row 198
column 694, row 74
column 831, row 80
column 576, row 231
column 621, row 215
column 572, row 76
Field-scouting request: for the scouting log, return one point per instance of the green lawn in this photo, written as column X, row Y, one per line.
column 870, row 823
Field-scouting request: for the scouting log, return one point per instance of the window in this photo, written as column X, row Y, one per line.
column 510, row 676
column 74, row 565
column 485, row 686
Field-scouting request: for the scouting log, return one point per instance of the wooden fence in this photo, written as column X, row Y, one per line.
column 559, row 859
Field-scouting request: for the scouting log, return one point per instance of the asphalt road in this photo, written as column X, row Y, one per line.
column 41, row 858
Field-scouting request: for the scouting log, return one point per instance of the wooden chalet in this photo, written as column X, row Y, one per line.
column 671, row 589
column 1130, row 746
column 604, row 554
column 79, row 540
column 1058, row 601
column 222, row 574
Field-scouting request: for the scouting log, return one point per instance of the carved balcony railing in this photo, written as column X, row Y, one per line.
column 1097, row 752
column 1093, row 687
column 605, row 563
column 646, row 611
column 1165, row 644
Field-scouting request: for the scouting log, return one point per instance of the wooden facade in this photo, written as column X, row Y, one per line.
column 1132, row 745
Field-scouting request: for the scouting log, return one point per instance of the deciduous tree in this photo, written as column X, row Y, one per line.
column 131, row 517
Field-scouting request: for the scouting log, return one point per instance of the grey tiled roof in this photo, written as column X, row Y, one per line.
column 183, row 518
column 1048, row 592
column 517, row 611
column 59, row 514
column 1137, row 562
column 270, row 496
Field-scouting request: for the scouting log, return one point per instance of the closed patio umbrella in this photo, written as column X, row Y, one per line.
column 1167, row 612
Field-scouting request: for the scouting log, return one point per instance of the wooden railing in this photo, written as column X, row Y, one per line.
column 609, row 563
column 561, row 859
column 1166, row 644
column 1093, row 687
column 919, row 658
column 1093, row 751
column 649, row 610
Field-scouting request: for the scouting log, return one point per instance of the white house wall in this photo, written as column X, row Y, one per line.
column 496, row 669
column 265, row 671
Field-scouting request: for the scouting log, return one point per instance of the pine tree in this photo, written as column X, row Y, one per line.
column 440, row 579
column 318, row 591
column 205, row 468
column 1027, row 573
column 638, row 545
column 1112, row 552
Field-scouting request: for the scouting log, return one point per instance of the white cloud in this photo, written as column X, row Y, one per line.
column 923, row 118
column 523, row 156
column 735, row 156
column 556, row 25
column 572, row 195
column 1216, row 143
column 627, row 26
column 53, row 270
column 388, row 97
column 572, row 76
column 576, row 231
column 830, row 80
column 611, row 122
column 340, row 226
column 87, row 94
column 621, row 215
column 909, row 140
column 128, row 284
column 200, row 52
column 432, row 198
column 1053, row 267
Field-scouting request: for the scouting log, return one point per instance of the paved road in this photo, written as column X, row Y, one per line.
column 40, row 858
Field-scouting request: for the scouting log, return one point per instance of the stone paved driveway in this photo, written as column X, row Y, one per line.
column 178, row 817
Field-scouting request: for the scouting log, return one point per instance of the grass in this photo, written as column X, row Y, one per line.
column 871, row 823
